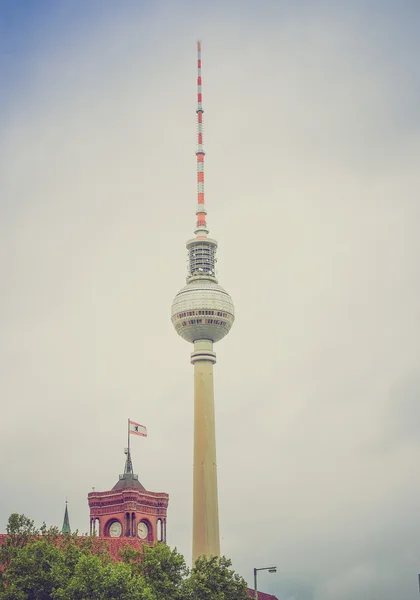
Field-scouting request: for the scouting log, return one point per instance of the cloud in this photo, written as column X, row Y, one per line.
column 310, row 180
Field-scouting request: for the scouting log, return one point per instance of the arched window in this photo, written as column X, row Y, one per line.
column 127, row 527
column 145, row 531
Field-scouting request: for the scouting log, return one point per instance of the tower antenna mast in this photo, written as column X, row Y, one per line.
column 201, row 208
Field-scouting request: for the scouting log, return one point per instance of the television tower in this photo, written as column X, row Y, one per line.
column 202, row 313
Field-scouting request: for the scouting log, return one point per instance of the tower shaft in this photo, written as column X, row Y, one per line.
column 206, row 539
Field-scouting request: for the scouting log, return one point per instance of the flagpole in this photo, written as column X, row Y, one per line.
column 128, row 436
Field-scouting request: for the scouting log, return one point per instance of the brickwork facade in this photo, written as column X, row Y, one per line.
column 129, row 513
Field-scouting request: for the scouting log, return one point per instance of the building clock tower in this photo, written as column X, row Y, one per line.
column 129, row 510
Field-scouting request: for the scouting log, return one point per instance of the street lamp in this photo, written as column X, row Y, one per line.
column 269, row 569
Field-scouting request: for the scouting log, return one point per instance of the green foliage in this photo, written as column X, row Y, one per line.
column 34, row 572
column 44, row 564
column 96, row 581
column 163, row 571
column 20, row 531
column 20, row 526
column 213, row 579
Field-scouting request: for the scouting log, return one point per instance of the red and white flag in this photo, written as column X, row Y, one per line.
column 137, row 429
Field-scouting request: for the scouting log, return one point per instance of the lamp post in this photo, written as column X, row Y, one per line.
column 269, row 569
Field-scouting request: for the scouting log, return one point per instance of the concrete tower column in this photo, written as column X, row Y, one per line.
column 206, row 539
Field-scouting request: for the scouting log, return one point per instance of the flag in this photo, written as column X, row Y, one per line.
column 137, row 429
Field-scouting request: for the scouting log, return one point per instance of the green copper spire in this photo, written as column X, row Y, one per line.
column 66, row 522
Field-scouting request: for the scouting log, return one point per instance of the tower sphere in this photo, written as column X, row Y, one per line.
column 202, row 310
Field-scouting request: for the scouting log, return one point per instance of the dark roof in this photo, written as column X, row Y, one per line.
column 128, row 480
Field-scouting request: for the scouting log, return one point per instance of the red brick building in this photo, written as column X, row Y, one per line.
column 129, row 510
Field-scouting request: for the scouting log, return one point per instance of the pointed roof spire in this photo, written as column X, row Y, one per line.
column 66, row 522
column 128, row 469
column 128, row 478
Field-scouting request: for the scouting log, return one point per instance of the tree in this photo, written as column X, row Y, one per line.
column 20, row 530
column 97, row 581
column 163, row 570
column 34, row 572
column 213, row 579
column 20, row 526
column 47, row 565
column 35, row 563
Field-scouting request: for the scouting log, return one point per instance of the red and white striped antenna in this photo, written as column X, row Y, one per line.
column 201, row 209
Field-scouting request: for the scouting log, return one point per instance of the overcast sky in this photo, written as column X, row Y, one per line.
column 312, row 134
